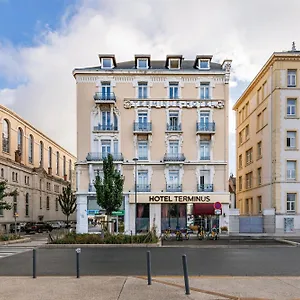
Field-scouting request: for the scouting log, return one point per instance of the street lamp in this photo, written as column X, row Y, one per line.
column 135, row 191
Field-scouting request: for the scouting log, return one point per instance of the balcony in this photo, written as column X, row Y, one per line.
column 142, row 127
column 104, row 98
column 205, row 187
column 106, row 127
column 207, row 127
column 174, row 128
column 174, row 188
column 205, row 157
column 98, row 156
column 174, row 157
column 143, row 187
column 92, row 188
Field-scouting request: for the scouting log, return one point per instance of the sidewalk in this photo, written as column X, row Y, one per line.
column 163, row 288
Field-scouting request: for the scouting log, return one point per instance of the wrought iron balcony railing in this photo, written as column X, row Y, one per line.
column 174, row 187
column 205, row 187
column 174, row 127
column 104, row 97
column 100, row 156
column 206, row 127
column 142, row 127
column 143, row 157
column 174, row 157
column 205, row 157
column 143, row 187
column 106, row 127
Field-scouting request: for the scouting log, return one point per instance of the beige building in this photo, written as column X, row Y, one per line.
column 34, row 165
column 172, row 115
column 267, row 134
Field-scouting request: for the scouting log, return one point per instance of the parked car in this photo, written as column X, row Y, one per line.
column 42, row 226
column 55, row 225
column 30, row 227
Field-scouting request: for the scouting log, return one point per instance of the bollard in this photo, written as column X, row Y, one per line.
column 149, row 267
column 185, row 273
column 130, row 236
column 78, row 250
column 34, row 263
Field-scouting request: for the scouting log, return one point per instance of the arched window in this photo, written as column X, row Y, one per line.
column 57, row 163
column 30, row 149
column 5, row 136
column 27, row 205
column 48, row 203
column 20, row 140
column 41, row 154
column 50, row 158
column 64, row 165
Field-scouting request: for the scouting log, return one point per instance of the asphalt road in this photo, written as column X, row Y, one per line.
column 271, row 261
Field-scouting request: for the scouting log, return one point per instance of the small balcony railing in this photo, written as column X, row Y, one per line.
column 143, row 157
column 106, row 127
column 143, row 187
column 142, row 127
column 174, row 187
column 92, row 188
column 99, row 156
column 206, row 127
column 205, row 157
column 174, row 157
column 104, row 97
column 174, row 127
column 205, row 187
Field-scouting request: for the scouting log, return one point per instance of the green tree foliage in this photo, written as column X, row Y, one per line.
column 109, row 190
column 67, row 202
column 4, row 194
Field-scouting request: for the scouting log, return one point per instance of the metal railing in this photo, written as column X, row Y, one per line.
column 143, row 187
column 174, row 127
column 104, row 96
column 207, row 126
column 99, row 156
column 174, row 157
column 106, row 127
column 174, row 187
column 204, row 157
column 205, row 187
column 142, row 127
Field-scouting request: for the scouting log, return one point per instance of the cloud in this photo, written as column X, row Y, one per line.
column 227, row 29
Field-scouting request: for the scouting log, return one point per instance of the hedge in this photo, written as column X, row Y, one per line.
column 9, row 237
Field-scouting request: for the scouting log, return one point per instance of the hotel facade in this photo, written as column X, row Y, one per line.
column 36, row 166
column 267, row 134
column 172, row 115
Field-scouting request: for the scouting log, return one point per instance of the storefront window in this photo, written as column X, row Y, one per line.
column 142, row 217
column 173, row 216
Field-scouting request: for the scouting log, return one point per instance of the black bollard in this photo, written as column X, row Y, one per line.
column 34, row 263
column 78, row 250
column 149, row 267
column 186, row 276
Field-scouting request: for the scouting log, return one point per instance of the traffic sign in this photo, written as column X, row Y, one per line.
column 218, row 211
column 217, row 205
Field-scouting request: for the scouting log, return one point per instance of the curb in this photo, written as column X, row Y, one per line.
column 68, row 246
column 15, row 241
column 284, row 241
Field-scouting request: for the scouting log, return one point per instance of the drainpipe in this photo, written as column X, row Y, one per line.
column 271, row 134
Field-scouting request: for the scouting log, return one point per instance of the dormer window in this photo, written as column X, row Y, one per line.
column 174, row 63
column 203, row 64
column 106, row 63
column 142, row 63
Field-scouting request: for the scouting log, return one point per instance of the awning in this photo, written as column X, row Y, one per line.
column 203, row 209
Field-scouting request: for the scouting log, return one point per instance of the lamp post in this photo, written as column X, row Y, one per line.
column 135, row 192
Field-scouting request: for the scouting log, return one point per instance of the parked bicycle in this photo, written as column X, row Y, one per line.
column 167, row 234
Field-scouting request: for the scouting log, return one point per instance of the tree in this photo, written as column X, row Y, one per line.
column 67, row 202
column 4, row 194
column 109, row 190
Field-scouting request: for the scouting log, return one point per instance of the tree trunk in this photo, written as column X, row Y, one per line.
column 67, row 221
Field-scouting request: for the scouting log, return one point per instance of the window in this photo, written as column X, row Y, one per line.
column 203, row 63
column 247, row 109
column 290, row 202
column 240, row 161
column 16, row 177
column 173, row 120
column 56, row 204
column 5, row 136
column 13, row 176
column 291, row 78
column 143, row 180
column 174, row 64
column 2, row 172
column 15, row 204
column 241, row 138
column 41, row 153
column 50, row 158
column 240, row 117
column 27, row 205
column 142, row 90
column 264, row 117
column 142, row 63
column 41, row 203
column 105, row 90
column 48, row 186
column 173, row 90
column 291, row 108
column 106, row 63
column 259, row 176
column 291, row 139
column 70, row 169
column 259, row 96
column 57, row 163
column 264, row 91
column 105, row 147
column 259, row 150
column 259, row 204
column 204, row 117
column 249, row 156
column 174, row 177
column 259, row 121
column 174, row 148
column 291, row 169
column 64, row 165
column 247, row 131
column 20, row 140
column 249, row 180
column 116, row 146
column 30, row 151
column 204, row 150
column 143, row 150
column 142, row 118
column 48, row 203
column 240, row 183
column 204, row 90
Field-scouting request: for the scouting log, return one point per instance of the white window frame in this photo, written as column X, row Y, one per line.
column 249, row 159
column 291, row 107
column 205, row 86
column 173, row 85
column 169, row 177
column 203, row 143
column 102, row 62
column 259, row 149
column 144, row 172
column 203, row 60
column 174, row 142
column 145, row 86
column 173, row 60
column 259, row 176
column 291, row 167
column 289, row 203
column 292, row 140
column 138, row 153
column 142, row 59
column 291, row 76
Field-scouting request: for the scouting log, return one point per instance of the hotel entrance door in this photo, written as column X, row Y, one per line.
column 173, row 216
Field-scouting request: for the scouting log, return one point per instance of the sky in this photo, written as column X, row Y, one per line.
column 41, row 42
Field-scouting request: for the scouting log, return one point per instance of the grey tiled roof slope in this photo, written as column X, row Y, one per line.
column 156, row 65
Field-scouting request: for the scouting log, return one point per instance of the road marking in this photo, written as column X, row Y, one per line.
column 6, row 251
